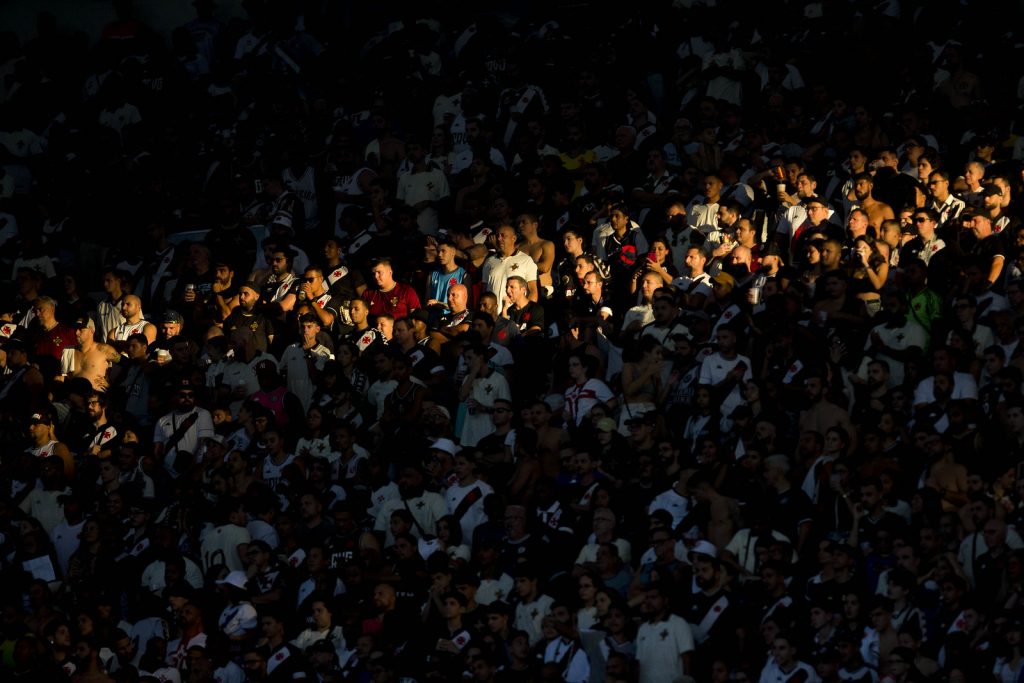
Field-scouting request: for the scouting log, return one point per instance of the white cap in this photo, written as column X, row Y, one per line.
column 458, row 552
column 446, row 445
column 704, row 548
column 167, row 674
column 237, row 578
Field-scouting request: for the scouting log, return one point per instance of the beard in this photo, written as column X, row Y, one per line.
column 705, row 583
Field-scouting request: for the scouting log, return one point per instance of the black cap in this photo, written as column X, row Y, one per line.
column 172, row 316
column 648, row 418
column 181, row 589
column 814, row 199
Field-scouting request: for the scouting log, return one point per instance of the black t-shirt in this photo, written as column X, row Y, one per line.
column 262, row 327
column 988, row 248
column 425, row 362
column 530, row 315
column 343, row 282
column 788, row 510
column 869, row 527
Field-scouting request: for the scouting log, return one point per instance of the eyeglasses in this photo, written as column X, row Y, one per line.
column 921, row 219
column 501, row 410
column 309, row 280
column 186, row 394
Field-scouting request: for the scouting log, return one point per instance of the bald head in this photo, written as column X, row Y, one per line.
column 458, row 297
column 740, row 254
column 506, row 238
column 131, row 308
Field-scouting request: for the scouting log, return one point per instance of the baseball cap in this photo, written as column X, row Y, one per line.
column 265, row 366
column 649, row 418
column 172, row 316
column 446, row 445
column 179, row 589
column 498, row 607
column 237, row 578
column 703, row 548
column 991, row 190
column 82, row 322
column 814, row 199
column 40, row 418
column 465, row 577
column 725, row 280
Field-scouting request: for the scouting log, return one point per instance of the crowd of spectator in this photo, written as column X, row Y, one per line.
column 575, row 342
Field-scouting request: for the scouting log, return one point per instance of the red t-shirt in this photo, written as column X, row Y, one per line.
column 398, row 303
column 53, row 342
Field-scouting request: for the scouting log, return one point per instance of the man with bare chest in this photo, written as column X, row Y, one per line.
column 721, row 512
column 542, row 251
column 863, row 184
column 550, row 440
column 946, row 475
column 91, row 358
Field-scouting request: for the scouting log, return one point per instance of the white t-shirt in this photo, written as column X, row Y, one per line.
column 475, row 514
column 169, row 423
column 773, row 674
column 485, row 391
column 897, row 339
column 676, row 505
column 220, row 546
column 964, row 386
column 580, row 399
column 715, row 368
column 430, row 185
column 498, row 269
column 659, row 649
column 529, row 617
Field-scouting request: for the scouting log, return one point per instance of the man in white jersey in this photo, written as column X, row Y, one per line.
column 179, row 433
column 131, row 309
